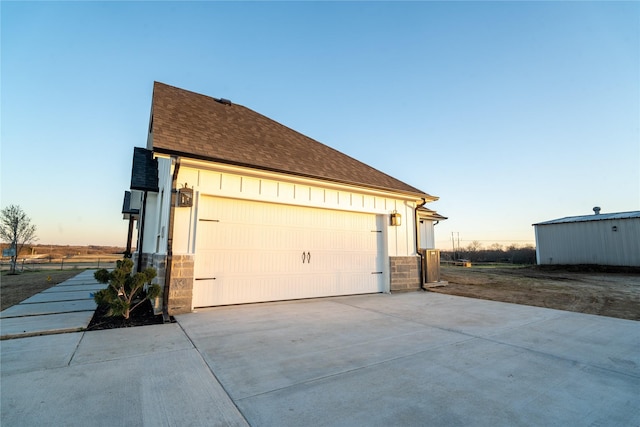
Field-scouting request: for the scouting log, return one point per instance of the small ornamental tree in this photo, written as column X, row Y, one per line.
column 125, row 291
column 17, row 230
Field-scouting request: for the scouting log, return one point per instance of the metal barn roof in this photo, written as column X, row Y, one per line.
column 592, row 217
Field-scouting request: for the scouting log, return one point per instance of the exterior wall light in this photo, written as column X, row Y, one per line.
column 185, row 197
column 396, row 219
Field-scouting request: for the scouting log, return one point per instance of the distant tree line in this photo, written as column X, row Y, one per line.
column 496, row 252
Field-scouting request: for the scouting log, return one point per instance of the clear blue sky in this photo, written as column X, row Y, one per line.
column 511, row 112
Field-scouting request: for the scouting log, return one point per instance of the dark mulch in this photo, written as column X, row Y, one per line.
column 141, row 316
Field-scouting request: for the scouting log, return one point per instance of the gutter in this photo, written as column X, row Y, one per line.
column 169, row 262
column 417, row 222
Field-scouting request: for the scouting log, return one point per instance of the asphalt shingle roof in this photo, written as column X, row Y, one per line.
column 193, row 125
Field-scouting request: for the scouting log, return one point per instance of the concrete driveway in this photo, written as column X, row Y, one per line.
column 420, row 359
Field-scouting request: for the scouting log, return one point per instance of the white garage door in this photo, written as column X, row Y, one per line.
column 252, row 251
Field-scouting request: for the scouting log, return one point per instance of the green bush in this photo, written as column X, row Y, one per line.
column 126, row 291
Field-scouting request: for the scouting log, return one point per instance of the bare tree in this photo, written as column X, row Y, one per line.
column 495, row 247
column 474, row 246
column 17, row 230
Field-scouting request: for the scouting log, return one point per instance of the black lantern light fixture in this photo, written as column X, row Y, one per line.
column 185, row 197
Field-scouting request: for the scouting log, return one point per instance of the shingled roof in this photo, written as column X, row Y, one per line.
column 198, row 126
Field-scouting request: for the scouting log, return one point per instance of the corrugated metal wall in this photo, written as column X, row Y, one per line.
column 603, row 242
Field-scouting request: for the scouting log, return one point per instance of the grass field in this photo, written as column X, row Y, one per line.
column 15, row 288
column 614, row 294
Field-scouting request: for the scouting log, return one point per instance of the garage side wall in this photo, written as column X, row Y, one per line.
column 157, row 212
column 155, row 236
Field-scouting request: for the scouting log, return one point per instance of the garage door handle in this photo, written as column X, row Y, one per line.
column 304, row 257
column 308, row 257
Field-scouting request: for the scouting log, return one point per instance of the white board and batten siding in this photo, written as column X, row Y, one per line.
column 604, row 242
column 158, row 206
column 266, row 239
column 255, row 251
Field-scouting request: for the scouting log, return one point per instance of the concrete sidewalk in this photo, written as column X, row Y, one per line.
column 144, row 376
column 65, row 307
column 141, row 376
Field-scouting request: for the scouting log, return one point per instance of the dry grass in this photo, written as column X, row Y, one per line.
column 18, row 287
column 611, row 294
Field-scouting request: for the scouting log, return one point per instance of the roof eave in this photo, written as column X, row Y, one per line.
column 415, row 194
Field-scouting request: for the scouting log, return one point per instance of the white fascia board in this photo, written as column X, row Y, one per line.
column 295, row 179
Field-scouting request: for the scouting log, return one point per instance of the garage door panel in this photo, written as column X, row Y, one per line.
column 255, row 252
column 242, row 289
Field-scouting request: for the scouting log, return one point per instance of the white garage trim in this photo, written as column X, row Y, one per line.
column 248, row 251
column 205, row 167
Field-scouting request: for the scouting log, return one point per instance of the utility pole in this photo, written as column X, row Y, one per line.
column 453, row 243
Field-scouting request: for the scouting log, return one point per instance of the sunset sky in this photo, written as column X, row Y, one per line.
column 511, row 112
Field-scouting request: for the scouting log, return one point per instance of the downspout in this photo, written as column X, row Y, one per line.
column 143, row 215
column 127, row 251
column 417, row 222
column 167, row 273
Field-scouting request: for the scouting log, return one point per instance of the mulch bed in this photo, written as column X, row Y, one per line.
column 141, row 316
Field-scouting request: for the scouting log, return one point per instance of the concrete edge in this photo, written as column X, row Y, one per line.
column 41, row 333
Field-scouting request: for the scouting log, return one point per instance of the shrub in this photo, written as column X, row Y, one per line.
column 126, row 291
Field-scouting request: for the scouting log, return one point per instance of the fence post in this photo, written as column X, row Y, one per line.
column 98, row 263
column 61, row 263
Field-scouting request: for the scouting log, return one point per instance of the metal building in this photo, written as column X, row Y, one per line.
column 602, row 239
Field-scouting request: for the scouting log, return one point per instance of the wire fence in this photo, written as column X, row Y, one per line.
column 59, row 264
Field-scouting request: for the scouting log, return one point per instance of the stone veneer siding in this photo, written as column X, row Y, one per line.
column 181, row 287
column 405, row 273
